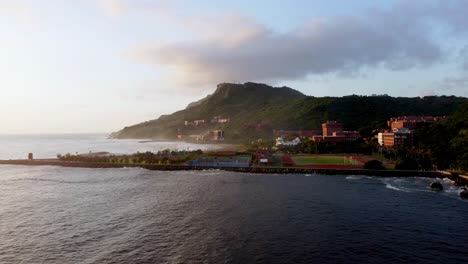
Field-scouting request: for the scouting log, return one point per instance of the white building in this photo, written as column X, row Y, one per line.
column 281, row 142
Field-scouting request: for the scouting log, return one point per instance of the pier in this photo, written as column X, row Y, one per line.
column 459, row 180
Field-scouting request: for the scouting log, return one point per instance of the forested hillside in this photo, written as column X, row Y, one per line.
column 255, row 110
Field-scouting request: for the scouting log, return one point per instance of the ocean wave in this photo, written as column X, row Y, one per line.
column 447, row 180
column 354, row 177
column 392, row 187
column 54, row 180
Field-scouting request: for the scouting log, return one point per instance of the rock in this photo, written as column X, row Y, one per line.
column 436, row 186
column 464, row 194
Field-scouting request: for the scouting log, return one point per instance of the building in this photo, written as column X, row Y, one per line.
column 331, row 126
column 412, row 122
column 396, row 137
column 386, row 139
column 199, row 122
column 401, row 129
column 219, row 120
column 403, row 136
column 281, row 142
column 195, row 122
column 217, row 135
column 349, row 135
column 333, row 132
column 328, row 138
column 195, row 137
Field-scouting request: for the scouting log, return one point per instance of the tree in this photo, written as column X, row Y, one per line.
column 374, row 165
column 407, row 163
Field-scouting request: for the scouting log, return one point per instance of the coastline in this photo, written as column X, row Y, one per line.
column 459, row 180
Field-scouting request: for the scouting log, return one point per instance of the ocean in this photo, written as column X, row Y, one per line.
column 76, row 215
column 48, row 146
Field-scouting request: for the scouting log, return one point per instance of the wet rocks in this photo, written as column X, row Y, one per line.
column 464, row 194
column 436, row 186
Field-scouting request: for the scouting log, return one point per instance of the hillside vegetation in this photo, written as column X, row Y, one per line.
column 256, row 109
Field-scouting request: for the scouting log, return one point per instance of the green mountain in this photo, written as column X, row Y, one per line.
column 255, row 110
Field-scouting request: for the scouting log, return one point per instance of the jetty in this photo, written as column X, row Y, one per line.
column 461, row 181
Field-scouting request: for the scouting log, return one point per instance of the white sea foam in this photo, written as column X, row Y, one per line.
column 448, row 180
column 389, row 186
column 354, row 177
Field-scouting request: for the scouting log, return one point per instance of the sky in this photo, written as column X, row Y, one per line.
column 91, row 66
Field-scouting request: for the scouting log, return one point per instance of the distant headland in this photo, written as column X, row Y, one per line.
column 240, row 113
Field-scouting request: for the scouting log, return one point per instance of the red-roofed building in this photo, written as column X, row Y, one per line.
column 412, row 122
column 331, row 126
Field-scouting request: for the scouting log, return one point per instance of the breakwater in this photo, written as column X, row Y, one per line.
column 273, row 170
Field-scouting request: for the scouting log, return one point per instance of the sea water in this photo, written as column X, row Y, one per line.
column 48, row 146
column 77, row 215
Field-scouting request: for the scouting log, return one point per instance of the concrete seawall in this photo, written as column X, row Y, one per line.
column 274, row 170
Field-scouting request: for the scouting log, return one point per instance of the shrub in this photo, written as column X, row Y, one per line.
column 407, row 164
column 374, row 165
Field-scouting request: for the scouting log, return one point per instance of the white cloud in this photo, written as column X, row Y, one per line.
column 237, row 48
column 15, row 9
column 118, row 8
column 113, row 8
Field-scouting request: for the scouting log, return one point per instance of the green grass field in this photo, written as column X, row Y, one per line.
column 323, row 160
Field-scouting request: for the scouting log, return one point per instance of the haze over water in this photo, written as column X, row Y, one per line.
column 48, row 146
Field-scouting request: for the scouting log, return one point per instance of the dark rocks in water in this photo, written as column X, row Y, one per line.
column 464, row 194
column 437, row 186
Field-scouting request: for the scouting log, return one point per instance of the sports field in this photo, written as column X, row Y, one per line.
column 304, row 160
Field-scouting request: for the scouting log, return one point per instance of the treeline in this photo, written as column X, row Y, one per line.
column 438, row 146
column 160, row 157
column 445, row 144
column 256, row 110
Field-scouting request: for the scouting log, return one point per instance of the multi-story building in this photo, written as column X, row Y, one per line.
column 333, row 132
column 331, row 126
column 401, row 129
column 217, row 135
column 219, row 119
column 412, row 122
column 199, row 122
column 396, row 137
column 386, row 139
column 281, row 142
column 349, row 135
column 195, row 122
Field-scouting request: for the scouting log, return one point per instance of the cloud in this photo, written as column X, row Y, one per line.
column 450, row 83
column 113, row 8
column 118, row 8
column 17, row 9
column 237, row 48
